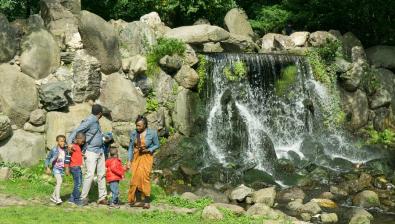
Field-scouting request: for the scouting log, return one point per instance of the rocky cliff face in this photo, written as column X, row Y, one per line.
column 68, row 59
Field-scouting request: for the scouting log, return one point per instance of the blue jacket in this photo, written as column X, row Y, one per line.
column 94, row 137
column 52, row 156
column 151, row 141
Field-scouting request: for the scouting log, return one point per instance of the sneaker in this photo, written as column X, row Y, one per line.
column 103, row 202
column 112, row 205
column 58, row 202
column 84, row 202
column 53, row 199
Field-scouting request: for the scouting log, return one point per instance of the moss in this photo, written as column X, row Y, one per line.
column 287, row 78
column 235, row 72
column 202, row 71
column 164, row 46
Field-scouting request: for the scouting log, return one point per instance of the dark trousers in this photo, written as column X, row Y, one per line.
column 76, row 172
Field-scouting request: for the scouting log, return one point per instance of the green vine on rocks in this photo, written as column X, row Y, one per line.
column 202, row 71
column 235, row 72
column 152, row 102
column 164, row 46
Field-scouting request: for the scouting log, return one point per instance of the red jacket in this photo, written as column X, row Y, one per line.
column 114, row 170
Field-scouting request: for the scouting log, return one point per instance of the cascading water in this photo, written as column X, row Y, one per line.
column 250, row 126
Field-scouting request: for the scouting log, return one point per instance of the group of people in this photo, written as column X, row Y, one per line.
column 88, row 147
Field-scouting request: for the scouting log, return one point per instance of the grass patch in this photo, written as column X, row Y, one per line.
column 164, row 46
column 287, row 78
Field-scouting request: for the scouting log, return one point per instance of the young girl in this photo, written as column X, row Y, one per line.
column 56, row 159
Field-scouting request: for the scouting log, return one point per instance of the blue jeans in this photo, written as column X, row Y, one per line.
column 77, row 179
column 114, row 187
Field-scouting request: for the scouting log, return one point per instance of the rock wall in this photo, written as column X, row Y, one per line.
column 56, row 64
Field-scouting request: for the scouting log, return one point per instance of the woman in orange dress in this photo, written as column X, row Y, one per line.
column 143, row 143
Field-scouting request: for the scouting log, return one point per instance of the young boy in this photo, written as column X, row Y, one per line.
column 114, row 173
column 75, row 168
column 55, row 159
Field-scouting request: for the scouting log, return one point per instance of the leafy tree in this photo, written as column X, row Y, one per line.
column 15, row 9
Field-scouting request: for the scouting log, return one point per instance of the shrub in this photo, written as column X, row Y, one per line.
column 164, row 46
column 236, row 71
column 270, row 19
column 386, row 137
column 152, row 102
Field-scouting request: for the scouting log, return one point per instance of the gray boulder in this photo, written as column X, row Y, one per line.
column 236, row 21
column 187, row 77
column 351, row 79
column 73, row 6
column 381, row 98
column 100, row 40
column 198, row 33
column 320, row 38
column 235, row 209
column 356, row 106
column 265, row 196
column 186, row 108
column 122, row 98
column 350, row 41
column 387, row 81
column 37, row 117
column 240, row 193
column 40, row 54
column 171, row 64
column 31, row 128
column 134, row 66
column 239, row 43
column 8, row 41
column 35, row 22
column 166, row 88
column 190, row 196
column 274, row 42
column 61, row 23
column 311, row 208
column 360, row 216
column 121, row 132
column 135, row 38
column 382, row 56
column 5, row 127
column 18, row 94
column 190, row 56
column 24, row 148
column 299, row 38
column 366, row 199
column 358, row 54
column 329, row 218
column 212, row 213
column 291, row 194
column 211, row 47
column 86, row 77
column 258, row 210
column 55, row 95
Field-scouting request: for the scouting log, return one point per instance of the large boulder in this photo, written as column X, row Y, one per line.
column 58, row 123
column 185, row 112
column 291, row 194
column 61, row 23
column 239, row 43
column 198, row 33
column 212, row 213
column 329, row 218
column 366, row 199
column 55, row 95
column 356, row 106
column 5, row 127
column 360, row 216
column 381, row 98
column 350, row 41
column 320, row 38
column 8, row 42
column 73, row 6
column 351, row 79
column 166, row 88
column 300, row 38
column 122, row 98
column 18, row 94
column 24, row 148
column 86, row 77
column 134, row 66
column 236, row 21
column 240, row 193
column 40, row 54
column 273, row 42
column 171, row 64
column 31, row 128
column 100, row 40
column 153, row 20
column 387, row 81
column 187, row 77
column 135, row 38
column 382, row 56
column 265, row 196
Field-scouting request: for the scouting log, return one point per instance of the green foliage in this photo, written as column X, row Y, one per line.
column 270, row 19
column 235, row 72
column 202, row 70
column 386, row 137
column 185, row 203
column 163, row 141
column 287, row 78
column 19, row 172
column 152, row 102
column 19, row 9
column 164, row 46
column 369, row 81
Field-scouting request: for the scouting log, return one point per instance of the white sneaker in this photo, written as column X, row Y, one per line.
column 58, row 202
column 53, row 200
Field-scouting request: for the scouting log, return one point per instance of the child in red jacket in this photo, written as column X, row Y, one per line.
column 114, row 173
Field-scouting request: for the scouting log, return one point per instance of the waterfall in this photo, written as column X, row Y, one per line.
column 249, row 125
